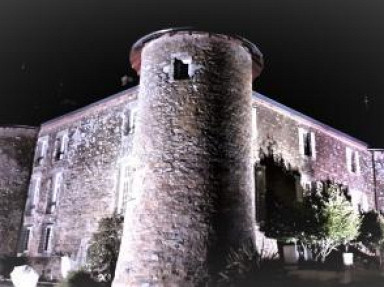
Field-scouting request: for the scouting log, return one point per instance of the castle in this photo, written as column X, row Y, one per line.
column 180, row 155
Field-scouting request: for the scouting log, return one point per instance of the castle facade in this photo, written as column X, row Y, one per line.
column 158, row 153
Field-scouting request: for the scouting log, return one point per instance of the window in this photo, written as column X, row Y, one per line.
column 33, row 195
column 124, row 189
column 55, row 189
column 307, row 143
column 60, row 146
column 353, row 162
column 180, row 69
column 41, row 150
column 47, row 238
column 25, row 239
column 129, row 122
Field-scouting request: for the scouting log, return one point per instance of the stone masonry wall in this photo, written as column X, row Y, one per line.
column 278, row 127
column 193, row 191
column 89, row 167
column 16, row 153
column 378, row 156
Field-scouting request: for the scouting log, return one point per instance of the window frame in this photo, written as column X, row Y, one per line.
column 33, row 195
column 307, row 137
column 124, row 187
column 41, row 150
column 47, row 238
column 352, row 160
column 60, row 146
column 55, row 188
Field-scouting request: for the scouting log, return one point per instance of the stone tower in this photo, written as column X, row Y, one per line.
column 193, row 192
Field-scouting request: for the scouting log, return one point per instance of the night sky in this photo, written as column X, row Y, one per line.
column 323, row 58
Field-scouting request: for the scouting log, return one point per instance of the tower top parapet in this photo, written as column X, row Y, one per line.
column 257, row 56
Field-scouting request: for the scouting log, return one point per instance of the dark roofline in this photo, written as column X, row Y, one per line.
column 89, row 106
column 307, row 118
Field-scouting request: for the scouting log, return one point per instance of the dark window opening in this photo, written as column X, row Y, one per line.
column 47, row 238
column 180, row 70
column 353, row 162
column 307, row 144
column 26, row 239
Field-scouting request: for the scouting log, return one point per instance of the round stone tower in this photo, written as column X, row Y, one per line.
column 193, row 192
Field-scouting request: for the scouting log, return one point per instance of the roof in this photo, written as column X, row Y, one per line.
column 98, row 105
column 261, row 98
column 296, row 114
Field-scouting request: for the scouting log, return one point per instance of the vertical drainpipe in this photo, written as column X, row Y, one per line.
column 374, row 179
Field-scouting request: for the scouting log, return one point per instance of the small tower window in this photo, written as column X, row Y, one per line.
column 180, row 70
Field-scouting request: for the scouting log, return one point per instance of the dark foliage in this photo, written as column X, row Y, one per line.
column 7, row 263
column 105, row 246
column 372, row 230
column 80, row 278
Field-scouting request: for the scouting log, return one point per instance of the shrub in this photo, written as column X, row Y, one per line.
column 245, row 267
column 104, row 248
column 372, row 231
column 330, row 220
column 321, row 222
column 79, row 278
column 7, row 263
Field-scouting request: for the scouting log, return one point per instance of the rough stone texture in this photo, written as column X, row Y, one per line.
column 378, row 159
column 193, row 190
column 89, row 170
column 16, row 150
column 194, row 183
column 278, row 128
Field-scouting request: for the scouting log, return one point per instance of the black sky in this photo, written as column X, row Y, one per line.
column 323, row 58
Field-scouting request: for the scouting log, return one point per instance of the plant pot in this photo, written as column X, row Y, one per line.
column 348, row 258
column 290, row 254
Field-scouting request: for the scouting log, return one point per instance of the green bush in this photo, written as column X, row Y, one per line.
column 104, row 248
column 330, row 220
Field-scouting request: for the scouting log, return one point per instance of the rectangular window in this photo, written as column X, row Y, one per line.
column 47, row 238
column 129, row 122
column 41, row 150
column 25, row 238
column 33, row 195
column 60, row 146
column 180, row 70
column 353, row 161
column 124, row 191
column 307, row 143
column 56, row 186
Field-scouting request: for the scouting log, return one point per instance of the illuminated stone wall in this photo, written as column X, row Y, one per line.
column 193, row 191
column 16, row 152
column 95, row 148
column 378, row 156
column 278, row 127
